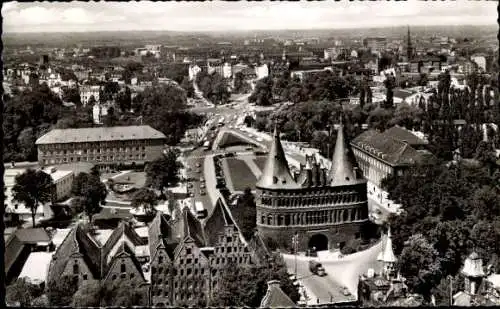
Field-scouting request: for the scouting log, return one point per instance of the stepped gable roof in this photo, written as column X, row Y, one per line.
column 13, row 248
column 390, row 150
column 342, row 169
column 120, row 234
column 276, row 174
column 401, row 134
column 188, row 226
column 275, row 297
column 125, row 251
column 159, row 230
column 119, row 133
column 76, row 242
column 218, row 220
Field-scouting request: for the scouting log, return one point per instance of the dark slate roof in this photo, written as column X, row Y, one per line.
column 32, row 235
column 215, row 224
column 388, row 149
column 402, row 134
column 68, row 247
column 91, row 252
column 13, row 248
column 276, row 174
column 342, row 169
column 275, row 297
column 82, row 135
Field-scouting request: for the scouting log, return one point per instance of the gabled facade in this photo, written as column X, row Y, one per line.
column 81, row 255
column 187, row 258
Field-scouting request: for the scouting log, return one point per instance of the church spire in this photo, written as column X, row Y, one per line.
column 342, row 169
column 276, row 173
column 409, row 49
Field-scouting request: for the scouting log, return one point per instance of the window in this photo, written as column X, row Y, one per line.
column 182, row 272
column 132, row 275
column 181, row 261
column 188, row 271
column 113, row 277
column 123, row 268
column 196, row 261
column 188, row 261
column 160, row 270
column 229, row 249
column 222, row 249
column 228, row 239
column 188, row 250
column 76, row 269
column 85, row 277
column 160, row 259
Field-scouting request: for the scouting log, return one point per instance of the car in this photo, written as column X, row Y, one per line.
column 202, row 192
column 202, row 179
column 191, row 194
column 198, row 164
column 202, row 185
column 190, row 185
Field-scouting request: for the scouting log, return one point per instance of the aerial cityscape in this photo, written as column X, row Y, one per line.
column 251, row 154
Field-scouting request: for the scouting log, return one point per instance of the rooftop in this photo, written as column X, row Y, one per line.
column 37, row 266
column 82, row 135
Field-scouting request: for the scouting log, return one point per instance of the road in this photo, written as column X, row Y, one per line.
column 341, row 272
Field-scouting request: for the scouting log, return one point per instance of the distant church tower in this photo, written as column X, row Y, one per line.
column 409, row 48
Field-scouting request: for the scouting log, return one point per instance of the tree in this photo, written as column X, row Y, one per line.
column 26, row 143
column 423, row 80
column 418, row 263
column 262, row 94
column 245, row 286
column 246, row 213
column 72, row 95
column 163, row 172
column 145, row 198
column 60, row 293
column 22, row 291
column 124, row 100
column 390, row 83
column 33, row 188
column 89, row 193
column 89, row 295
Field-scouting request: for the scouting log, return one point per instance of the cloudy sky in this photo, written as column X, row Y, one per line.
column 243, row 15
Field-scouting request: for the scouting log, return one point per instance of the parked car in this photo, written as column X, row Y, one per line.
column 202, row 192
column 316, row 268
column 202, row 185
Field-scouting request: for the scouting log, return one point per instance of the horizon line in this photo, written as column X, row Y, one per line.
column 246, row 30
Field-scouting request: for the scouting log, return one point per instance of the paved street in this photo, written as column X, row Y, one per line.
column 341, row 272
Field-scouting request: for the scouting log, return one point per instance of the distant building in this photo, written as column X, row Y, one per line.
column 324, row 207
column 100, row 110
column 376, row 45
column 480, row 60
column 106, row 147
column 391, row 152
column 87, row 91
column 302, row 74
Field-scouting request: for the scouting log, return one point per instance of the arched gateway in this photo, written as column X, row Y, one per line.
column 319, row 242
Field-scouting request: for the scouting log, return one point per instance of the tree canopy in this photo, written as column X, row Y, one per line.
column 33, row 188
column 164, row 171
column 89, row 193
column 245, row 286
column 145, row 198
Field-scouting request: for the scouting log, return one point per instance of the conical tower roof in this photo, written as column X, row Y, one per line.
column 387, row 251
column 342, row 169
column 276, row 174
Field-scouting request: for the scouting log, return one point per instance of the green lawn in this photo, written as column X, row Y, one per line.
column 241, row 175
column 260, row 162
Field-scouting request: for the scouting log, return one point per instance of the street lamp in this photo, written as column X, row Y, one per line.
column 295, row 241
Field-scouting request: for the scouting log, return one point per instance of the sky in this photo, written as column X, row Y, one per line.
column 220, row 15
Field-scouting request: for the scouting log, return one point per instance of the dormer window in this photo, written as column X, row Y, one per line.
column 76, row 269
column 275, row 180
